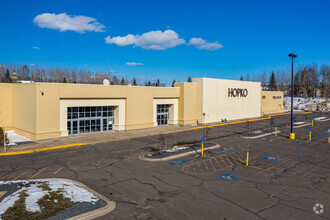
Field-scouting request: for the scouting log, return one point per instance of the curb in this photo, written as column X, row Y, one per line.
column 262, row 135
column 299, row 126
column 111, row 205
column 40, row 150
column 177, row 155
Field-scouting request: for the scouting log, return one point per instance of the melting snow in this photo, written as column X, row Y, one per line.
column 300, row 103
column 15, row 138
column 70, row 190
column 320, row 118
column 175, row 149
column 299, row 123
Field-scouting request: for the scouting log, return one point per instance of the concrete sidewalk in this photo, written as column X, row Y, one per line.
column 96, row 138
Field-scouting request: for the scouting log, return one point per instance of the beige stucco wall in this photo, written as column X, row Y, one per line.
column 6, row 106
column 38, row 116
column 214, row 101
column 270, row 105
column 187, row 103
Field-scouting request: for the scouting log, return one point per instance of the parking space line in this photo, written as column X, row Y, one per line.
column 269, row 168
column 58, row 170
column 223, row 161
column 229, row 160
column 212, row 164
column 217, row 162
column 19, row 175
column 205, row 165
column 238, row 157
column 36, row 174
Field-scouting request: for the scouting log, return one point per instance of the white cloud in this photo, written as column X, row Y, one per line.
column 203, row 44
column 64, row 22
column 134, row 64
column 153, row 40
column 37, row 48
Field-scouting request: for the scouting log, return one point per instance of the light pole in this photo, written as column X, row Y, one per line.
column 292, row 136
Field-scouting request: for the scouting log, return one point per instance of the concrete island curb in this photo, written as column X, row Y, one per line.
column 111, row 205
column 177, row 155
column 262, row 135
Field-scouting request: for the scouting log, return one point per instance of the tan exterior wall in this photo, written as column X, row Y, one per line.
column 188, row 103
column 6, row 106
column 269, row 104
column 214, row 101
column 38, row 116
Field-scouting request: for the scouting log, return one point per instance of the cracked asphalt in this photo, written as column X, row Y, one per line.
column 286, row 189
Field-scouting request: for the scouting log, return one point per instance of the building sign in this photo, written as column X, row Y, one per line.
column 235, row 92
column 277, row 97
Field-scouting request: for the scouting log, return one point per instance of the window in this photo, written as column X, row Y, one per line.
column 90, row 119
column 163, row 114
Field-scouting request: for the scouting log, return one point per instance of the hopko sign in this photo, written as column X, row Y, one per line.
column 237, row 92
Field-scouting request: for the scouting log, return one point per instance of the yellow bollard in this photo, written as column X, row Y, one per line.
column 275, row 131
column 247, row 155
column 312, row 122
column 247, row 158
column 202, row 149
column 310, row 136
column 292, row 136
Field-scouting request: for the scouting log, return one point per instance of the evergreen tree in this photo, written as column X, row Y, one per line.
column 149, row 83
column 7, row 78
column 158, row 83
column 241, row 78
column 189, row 79
column 64, row 80
column 173, row 82
column 272, row 82
column 122, row 81
column 134, row 82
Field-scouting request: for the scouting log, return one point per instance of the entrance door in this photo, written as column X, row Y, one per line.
column 162, row 114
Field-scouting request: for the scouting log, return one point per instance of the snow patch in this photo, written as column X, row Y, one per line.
column 175, row 149
column 299, row 123
column 70, row 190
column 14, row 138
column 320, row 118
column 300, row 103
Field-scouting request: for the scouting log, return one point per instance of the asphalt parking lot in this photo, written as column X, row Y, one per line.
column 217, row 186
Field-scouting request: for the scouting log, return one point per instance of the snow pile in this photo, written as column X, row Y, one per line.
column 70, row 190
column 307, row 104
column 175, row 149
column 320, row 118
column 14, row 138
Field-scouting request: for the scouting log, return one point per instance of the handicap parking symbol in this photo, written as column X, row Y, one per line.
column 270, row 158
column 178, row 162
column 226, row 149
column 227, row 176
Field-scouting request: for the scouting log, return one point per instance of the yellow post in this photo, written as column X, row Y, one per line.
column 247, row 155
column 292, row 136
column 312, row 122
column 247, row 158
column 202, row 148
column 310, row 136
column 275, row 131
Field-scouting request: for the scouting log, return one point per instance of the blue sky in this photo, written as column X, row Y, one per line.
column 223, row 39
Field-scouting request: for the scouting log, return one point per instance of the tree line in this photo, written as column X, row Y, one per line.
column 309, row 80
column 61, row 75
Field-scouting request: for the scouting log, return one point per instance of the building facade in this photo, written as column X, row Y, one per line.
column 52, row 110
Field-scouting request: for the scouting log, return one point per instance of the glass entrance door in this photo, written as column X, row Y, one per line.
column 82, row 120
column 162, row 114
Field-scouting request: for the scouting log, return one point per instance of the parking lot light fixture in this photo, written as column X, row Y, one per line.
column 292, row 136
